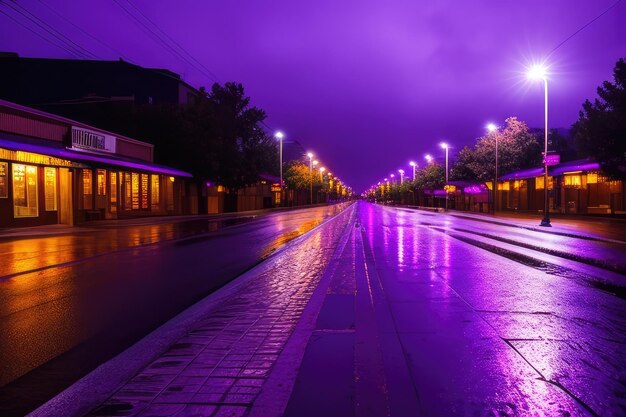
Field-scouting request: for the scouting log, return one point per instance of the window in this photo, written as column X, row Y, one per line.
column 4, row 183
column 144, row 191
column 128, row 199
column 102, row 182
column 170, row 193
column 87, row 189
column 592, row 178
column 574, row 181
column 50, row 188
column 155, row 192
column 135, row 190
column 113, row 191
column 25, row 191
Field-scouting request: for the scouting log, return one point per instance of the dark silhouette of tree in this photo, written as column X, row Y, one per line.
column 600, row 131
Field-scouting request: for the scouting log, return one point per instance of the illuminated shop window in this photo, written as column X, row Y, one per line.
column 155, row 192
column 144, row 191
column 50, row 188
column 128, row 198
column 135, row 190
column 170, row 193
column 87, row 189
column 4, row 180
column 539, row 183
column 25, row 191
column 592, row 178
column 113, row 191
column 574, row 181
column 102, row 182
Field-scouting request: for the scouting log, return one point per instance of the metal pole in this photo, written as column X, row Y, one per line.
column 414, row 172
column 280, row 141
column 311, row 178
column 446, row 178
column 495, row 185
column 546, row 212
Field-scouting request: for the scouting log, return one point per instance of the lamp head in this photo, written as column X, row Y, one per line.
column 537, row 72
column 491, row 127
column 279, row 135
column 401, row 171
column 443, row 145
column 428, row 157
column 413, row 164
column 310, row 155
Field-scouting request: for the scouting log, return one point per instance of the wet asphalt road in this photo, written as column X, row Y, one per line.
column 502, row 328
column 70, row 302
column 491, row 318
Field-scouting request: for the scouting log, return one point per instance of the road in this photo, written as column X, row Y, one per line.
column 70, row 302
column 502, row 319
column 436, row 313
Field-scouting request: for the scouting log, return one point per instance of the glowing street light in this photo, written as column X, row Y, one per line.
column 491, row 128
column 414, row 165
column 428, row 158
column 310, row 155
column 279, row 135
column 401, row 171
column 322, row 169
column 446, row 147
column 538, row 72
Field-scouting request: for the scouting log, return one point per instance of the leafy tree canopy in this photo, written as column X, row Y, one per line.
column 600, row 131
column 297, row 176
column 517, row 149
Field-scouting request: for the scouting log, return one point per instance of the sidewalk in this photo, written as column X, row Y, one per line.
column 215, row 358
column 611, row 228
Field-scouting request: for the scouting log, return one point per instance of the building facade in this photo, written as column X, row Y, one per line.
column 55, row 170
column 574, row 187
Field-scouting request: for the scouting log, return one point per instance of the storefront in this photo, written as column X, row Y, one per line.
column 54, row 170
column 573, row 187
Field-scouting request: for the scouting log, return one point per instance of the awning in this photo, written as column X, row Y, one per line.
column 523, row 174
column 580, row 165
column 64, row 153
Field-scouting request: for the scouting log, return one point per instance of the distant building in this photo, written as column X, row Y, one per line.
column 80, row 89
column 55, row 170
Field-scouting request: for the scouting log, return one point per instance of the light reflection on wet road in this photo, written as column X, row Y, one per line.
column 487, row 334
column 111, row 286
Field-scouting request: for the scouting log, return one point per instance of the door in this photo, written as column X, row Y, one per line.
column 65, row 197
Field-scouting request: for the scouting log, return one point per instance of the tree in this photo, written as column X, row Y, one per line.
column 298, row 177
column 517, row 149
column 600, row 131
column 432, row 177
column 216, row 137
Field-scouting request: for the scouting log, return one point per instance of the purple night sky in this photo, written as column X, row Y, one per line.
column 366, row 85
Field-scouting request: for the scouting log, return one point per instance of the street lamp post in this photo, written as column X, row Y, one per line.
column 310, row 155
column 445, row 146
column 414, row 165
column 279, row 135
column 401, row 171
column 538, row 72
column 492, row 128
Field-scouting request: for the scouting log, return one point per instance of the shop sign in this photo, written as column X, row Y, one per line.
column 92, row 140
column 276, row 187
column 553, row 159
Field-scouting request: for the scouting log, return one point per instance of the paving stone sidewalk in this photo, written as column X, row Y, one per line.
column 219, row 367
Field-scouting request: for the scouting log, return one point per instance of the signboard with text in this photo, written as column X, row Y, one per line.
column 553, row 159
column 92, row 140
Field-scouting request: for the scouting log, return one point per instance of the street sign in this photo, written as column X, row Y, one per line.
column 553, row 159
